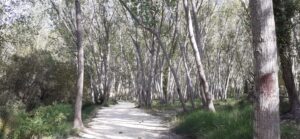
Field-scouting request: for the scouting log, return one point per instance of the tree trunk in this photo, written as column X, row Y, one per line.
column 266, row 120
column 200, row 70
column 226, row 83
column 80, row 61
column 190, row 90
column 150, row 77
column 107, row 78
column 283, row 32
column 176, row 79
column 165, row 53
column 165, row 81
column 142, row 84
column 166, row 71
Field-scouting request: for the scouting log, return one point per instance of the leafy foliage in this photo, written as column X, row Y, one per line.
column 53, row 121
column 146, row 11
column 45, row 121
column 38, row 78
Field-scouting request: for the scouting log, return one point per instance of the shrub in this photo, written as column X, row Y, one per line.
column 39, row 79
column 52, row 120
column 8, row 117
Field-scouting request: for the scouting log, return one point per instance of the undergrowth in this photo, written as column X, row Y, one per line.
column 52, row 121
column 229, row 122
column 233, row 120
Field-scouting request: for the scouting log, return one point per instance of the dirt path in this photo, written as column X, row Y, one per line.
column 123, row 121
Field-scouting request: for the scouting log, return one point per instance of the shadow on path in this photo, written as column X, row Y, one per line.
column 123, row 121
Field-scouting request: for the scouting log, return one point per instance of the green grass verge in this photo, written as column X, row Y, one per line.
column 53, row 121
column 230, row 122
column 233, row 120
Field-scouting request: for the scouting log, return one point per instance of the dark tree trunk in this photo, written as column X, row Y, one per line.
column 141, row 80
column 283, row 31
column 190, row 90
column 165, row 83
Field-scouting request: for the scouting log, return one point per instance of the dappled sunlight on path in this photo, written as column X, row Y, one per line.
column 123, row 121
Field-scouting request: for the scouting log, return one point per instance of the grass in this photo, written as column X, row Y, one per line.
column 233, row 120
column 169, row 106
column 290, row 130
column 230, row 122
column 88, row 110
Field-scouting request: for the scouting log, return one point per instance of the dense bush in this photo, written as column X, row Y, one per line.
column 36, row 93
column 39, row 78
column 50, row 121
column 8, row 117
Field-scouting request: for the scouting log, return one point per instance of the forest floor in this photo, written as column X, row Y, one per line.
column 124, row 121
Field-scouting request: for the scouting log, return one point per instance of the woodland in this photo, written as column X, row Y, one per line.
column 227, row 69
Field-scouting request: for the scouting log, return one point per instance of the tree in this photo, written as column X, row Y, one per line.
column 195, row 45
column 284, row 12
column 266, row 120
column 148, row 24
column 80, row 68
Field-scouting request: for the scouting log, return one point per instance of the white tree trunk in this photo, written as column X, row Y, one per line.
column 80, row 70
column 266, row 122
column 200, row 70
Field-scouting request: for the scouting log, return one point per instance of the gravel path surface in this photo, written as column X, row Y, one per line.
column 124, row 121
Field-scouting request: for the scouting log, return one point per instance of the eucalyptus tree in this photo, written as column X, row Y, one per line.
column 67, row 20
column 80, row 67
column 101, row 27
column 266, row 106
column 193, row 28
column 148, row 22
column 20, row 29
column 230, row 55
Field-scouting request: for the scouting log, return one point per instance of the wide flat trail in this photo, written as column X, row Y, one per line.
column 124, row 121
